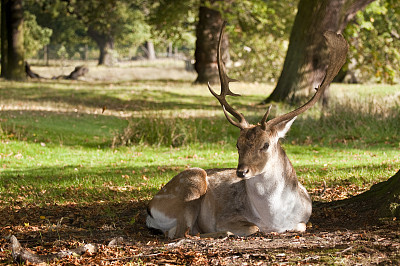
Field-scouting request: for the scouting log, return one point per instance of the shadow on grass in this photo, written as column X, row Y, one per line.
column 344, row 172
column 71, row 129
column 83, row 94
column 95, row 130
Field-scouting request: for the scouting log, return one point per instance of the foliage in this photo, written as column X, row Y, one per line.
column 67, row 32
column 134, row 32
column 35, row 36
column 173, row 22
column 121, row 20
column 259, row 36
column 258, row 31
column 375, row 42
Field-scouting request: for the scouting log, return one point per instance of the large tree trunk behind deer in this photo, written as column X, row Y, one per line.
column 305, row 61
column 13, row 47
column 207, row 33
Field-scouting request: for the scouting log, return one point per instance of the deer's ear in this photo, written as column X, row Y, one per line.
column 283, row 127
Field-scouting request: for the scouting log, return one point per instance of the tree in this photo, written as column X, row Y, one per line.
column 4, row 42
column 258, row 38
column 35, row 36
column 374, row 39
column 207, row 34
column 258, row 31
column 68, row 33
column 383, row 199
column 177, row 17
column 305, row 60
column 113, row 25
column 109, row 22
column 12, row 41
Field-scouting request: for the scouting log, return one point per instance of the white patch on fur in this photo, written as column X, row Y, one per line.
column 277, row 206
column 260, row 189
column 160, row 221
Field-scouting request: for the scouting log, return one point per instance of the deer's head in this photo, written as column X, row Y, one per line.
column 258, row 145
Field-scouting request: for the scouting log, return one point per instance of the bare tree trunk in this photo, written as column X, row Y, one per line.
column 105, row 42
column 86, row 53
column 106, row 53
column 207, row 34
column 151, row 53
column 169, row 50
column 305, row 61
column 383, row 198
column 14, row 21
column 46, row 54
column 4, row 39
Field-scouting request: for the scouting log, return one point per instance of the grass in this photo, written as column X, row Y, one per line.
column 58, row 147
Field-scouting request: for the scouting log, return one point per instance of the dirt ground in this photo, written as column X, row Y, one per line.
column 338, row 234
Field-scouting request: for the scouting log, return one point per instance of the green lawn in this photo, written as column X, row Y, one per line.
column 57, row 147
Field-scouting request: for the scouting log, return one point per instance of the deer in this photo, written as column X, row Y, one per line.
column 263, row 193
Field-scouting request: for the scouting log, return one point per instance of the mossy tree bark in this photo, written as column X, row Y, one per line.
column 383, row 197
column 306, row 59
column 12, row 48
column 207, row 35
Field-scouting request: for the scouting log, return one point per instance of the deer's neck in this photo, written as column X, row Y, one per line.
column 278, row 173
column 270, row 191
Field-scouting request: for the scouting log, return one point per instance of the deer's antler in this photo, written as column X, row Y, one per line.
column 338, row 48
column 241, row 123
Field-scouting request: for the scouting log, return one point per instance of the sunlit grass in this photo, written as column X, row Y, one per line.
column 57, row 137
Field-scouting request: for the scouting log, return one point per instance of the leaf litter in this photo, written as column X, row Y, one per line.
column 337, row 234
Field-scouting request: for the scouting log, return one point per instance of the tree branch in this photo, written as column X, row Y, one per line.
column 22, row 255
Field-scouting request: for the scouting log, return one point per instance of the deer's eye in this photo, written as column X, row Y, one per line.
column 266, row 145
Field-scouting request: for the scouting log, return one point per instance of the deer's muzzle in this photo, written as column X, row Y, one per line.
column 242, row 171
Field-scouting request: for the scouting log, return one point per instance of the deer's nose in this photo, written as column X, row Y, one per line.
column 242, row 172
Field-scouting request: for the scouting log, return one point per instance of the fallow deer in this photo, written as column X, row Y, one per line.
column 262, row 194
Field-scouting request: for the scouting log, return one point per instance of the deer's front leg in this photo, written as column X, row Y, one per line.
column 239, row 228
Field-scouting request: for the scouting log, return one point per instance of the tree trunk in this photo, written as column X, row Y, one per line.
column 106, row 53
column 105, row 42
column 14, row 66
column 46, row 54
column 86, row 53
column 306, row 59
column 383, row 197
column 4, row 41
column 169, row 50
column 150, row 52
column 207, row 35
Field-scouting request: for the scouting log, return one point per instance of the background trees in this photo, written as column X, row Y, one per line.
column 35, row 36
column 258, row 32
column 109, row 22
column 207, row 35
column 374, row 36
column 305, row 60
